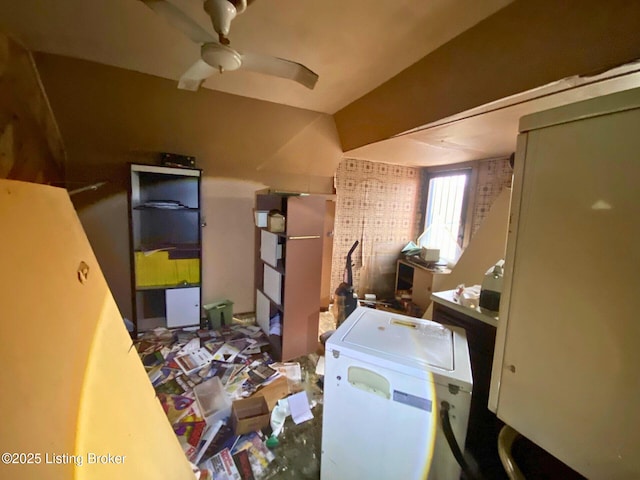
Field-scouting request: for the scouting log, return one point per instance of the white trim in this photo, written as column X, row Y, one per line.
column 185, row 172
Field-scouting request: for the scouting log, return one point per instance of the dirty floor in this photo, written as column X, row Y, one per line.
column 298, row 451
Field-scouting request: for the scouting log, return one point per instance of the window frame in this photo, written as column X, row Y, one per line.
column 468, row 200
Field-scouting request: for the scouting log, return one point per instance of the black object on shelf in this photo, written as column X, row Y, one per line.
column 176, row 160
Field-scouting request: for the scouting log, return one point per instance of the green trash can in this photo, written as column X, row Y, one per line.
column 219, row 313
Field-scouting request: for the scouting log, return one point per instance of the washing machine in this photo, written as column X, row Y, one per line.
column 386, row 376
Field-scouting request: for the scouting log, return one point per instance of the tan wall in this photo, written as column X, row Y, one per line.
column 110, row 116
column 493, row 177
column 525, row 45
column 228, row 242
column 326, row 295
column 30, row 144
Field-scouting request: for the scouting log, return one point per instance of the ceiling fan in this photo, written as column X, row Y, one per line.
column 216, row 54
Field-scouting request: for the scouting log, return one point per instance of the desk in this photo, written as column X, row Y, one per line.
column 420, row 280
column 448, row 300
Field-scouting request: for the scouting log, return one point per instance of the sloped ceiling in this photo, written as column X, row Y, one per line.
column 386, row 67
column 526, row 45
column 353, row 45
column 490, row 130
column 109, row 116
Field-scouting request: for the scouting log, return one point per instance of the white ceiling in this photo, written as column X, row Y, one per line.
column 354, row 45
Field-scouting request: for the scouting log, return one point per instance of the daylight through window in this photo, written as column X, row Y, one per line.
column 444, row 215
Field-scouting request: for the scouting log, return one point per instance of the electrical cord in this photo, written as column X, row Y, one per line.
column 469, row 474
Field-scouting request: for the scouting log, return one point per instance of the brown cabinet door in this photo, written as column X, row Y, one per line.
column 301, row 297
column 305, row 216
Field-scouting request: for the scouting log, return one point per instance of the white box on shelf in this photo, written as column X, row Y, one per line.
column 270, row 249
column 273, row 284
column 263, row 307
column 261, row 218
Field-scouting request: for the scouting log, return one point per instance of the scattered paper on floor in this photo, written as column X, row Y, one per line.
column 299, row 406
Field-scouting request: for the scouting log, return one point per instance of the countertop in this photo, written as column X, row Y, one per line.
column 446, row 299
column 409, row 261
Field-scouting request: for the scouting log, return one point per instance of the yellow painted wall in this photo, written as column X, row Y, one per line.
column 71, row 383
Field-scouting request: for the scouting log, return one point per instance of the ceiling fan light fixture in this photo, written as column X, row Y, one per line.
column 221, row 13
column 221, row 57
column 215, row 55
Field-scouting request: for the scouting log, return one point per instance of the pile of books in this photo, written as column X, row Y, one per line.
column 178, row 361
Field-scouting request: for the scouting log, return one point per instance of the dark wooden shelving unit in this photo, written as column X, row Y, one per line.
column 290, row 286
column 165, row 244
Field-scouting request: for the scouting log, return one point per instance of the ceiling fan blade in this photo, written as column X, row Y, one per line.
column 197, row 73
column 279, row 67
column 178, row 19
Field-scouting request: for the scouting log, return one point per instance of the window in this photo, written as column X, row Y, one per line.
column 445, row 213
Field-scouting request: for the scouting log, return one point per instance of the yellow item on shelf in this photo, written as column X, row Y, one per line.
column 156, row 269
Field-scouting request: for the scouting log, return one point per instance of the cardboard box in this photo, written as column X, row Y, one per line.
column 276, row 222
column 249, row 415
column 273, row 392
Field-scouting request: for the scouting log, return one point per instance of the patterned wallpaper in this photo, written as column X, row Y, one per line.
column 493, row 176
column 377, row 204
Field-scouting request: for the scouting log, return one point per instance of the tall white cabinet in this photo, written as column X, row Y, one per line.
column 565, row 370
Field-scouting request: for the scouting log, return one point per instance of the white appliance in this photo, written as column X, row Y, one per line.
column 385, row 376
column 565, row 372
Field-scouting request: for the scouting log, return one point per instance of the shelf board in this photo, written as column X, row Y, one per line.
column 165, row 209
column 166, row 287
column 141, row 168
column 278, row 268
column 150, row 247
column 279, row 234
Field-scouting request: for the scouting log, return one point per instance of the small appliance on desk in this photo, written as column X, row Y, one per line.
column 430, row 254
column 492, row 289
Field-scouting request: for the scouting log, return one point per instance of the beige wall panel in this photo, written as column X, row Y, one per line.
column 129, row 116
column 110, row 116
